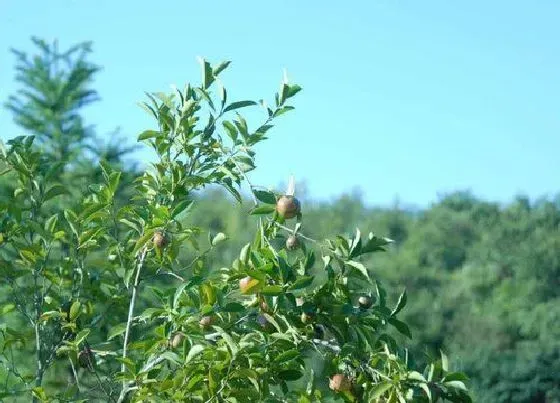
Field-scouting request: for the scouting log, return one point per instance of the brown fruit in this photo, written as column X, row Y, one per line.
column 206, row 321
column 160, row 240
column 246, row 284
column 340, row 383
column 264, row 306
column 365, row 302
column 177, row 339
column 288, row 207
column 86, row 358
column 292, row 242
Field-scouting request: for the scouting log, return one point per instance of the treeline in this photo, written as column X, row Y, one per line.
column 485, row 279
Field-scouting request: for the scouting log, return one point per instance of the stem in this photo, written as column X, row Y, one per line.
column 129, row 320
column 75, row 375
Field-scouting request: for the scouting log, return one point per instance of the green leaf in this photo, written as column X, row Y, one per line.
column 455, row 376
column 220, row 67
column 357, row 265
column 219, row 237
column 287, row 356
column 116, row 331
column 416, row 376
column 230, row 129
column 238, row 105
column 55, row 190
column 456, row 385
column 379, row 390
column 229, row 341
column 81, row 336
column 234, row 307
column 148, row 134
column 180, row 207
column 262, row 210
column 401, row 327
column 301, row 282
column 207, row 74
column 400, row 304
column 290, row 375
column 265, row 196
column 444, row 361
column 271, row 290
column 75, row 310
column 50, row 224
column 171, row 357
column 7, row 308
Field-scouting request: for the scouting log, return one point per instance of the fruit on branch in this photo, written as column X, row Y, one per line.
column 292, row 242
column 264, row 323
column 307, row 317
column 177, row 339
column 365, row 302
column 288, row 206
column 247, row 284
column 206, row 322
column 340, row 383
column 86, row 358
column 160, row 240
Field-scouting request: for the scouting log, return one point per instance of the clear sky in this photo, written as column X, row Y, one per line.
column 401, row 98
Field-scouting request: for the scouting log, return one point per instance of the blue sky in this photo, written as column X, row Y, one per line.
column 401, row 98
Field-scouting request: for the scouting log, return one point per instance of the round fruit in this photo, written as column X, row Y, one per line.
column 177, row 339
column 206, row 321
column 306, row 317
column 245, row 284
column 85, row 358
column 292, row 242
column 365, row 302
column 340, row 383
column 265, row 324
column 288, row 206
column 160, row 240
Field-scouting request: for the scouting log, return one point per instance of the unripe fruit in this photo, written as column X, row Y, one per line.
column 177, row 339
column 246, row 284
column 306, row 317
column 160, row 240
column 205, row 322
column 85, row 358
column 365, row 302
column 292, row 242
column 288, row 207
column 340, row 383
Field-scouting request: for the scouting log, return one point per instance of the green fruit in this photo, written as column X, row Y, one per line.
column 288, row 207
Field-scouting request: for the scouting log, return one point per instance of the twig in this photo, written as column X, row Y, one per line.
column 129, row 320
column 75, row 375
column 299, row 234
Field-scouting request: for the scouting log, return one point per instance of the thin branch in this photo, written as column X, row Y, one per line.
column 75, row 375
column 129, row 320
